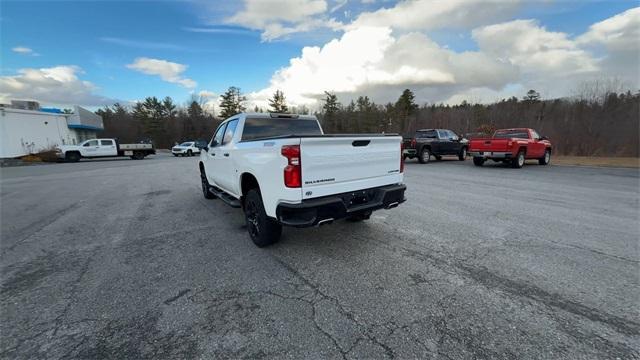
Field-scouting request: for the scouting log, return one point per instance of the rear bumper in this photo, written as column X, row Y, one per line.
column 491, row 154
column 328, row 208
column 409, row 152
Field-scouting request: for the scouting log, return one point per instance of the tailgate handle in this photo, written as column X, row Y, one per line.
column 361, row 142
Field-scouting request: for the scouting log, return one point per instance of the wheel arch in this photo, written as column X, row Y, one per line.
column 247, row 182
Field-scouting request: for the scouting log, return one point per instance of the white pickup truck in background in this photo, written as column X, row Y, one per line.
column 97, row 148
column 282, row 170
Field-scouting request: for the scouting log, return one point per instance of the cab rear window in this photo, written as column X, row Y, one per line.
column 264, row 128
column 508, row 134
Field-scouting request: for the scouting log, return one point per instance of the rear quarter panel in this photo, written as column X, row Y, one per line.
column 263, row 160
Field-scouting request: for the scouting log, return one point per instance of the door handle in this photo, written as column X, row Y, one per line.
column 226, row 154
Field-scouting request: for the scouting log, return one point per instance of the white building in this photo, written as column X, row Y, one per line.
column 24, row 132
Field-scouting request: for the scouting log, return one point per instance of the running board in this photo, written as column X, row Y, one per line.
column 228, row 199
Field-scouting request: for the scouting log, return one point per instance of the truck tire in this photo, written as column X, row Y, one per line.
column 263, row 230
column 189, row 153
column 462, row 156
column 205, row 186
column 546, row 159
column 518, row 161
column 72, row 156
column 360, row 216
column 137, row 155
column 424, row 156
column 478, row 161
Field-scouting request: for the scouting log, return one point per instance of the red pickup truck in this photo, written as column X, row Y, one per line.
column 511, row 146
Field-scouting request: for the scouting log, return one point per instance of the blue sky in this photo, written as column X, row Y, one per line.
column 101, row 38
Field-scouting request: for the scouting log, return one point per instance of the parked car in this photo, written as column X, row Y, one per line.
column 511, row 146
column 97, row 148
column 187, row 148
column 282, row 170
column 436, row 143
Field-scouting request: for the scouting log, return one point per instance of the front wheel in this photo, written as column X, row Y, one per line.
column 425, row 155
column 72, row 157
column 518, row 161
column 189, row 153
column 462, row 156
column 263, row 230
column 478, row 161
column 546, row 159
column 206, row 188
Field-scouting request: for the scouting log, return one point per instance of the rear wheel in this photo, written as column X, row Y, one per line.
column 518, row 161
column 137, row 155
column 176, row 155
column 546, row 159
column 189, row 153
column 478, row 161
column 425, row 155
column 462, row 156
column 263, row 230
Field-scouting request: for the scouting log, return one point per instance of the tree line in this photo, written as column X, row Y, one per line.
column 597, row 121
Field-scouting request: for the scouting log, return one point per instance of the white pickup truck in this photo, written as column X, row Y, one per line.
column 282, row 170
column 96, row 148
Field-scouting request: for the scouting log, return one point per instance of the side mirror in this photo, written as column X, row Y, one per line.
column 543, row 138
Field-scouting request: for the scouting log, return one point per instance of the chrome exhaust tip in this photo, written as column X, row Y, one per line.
column 325, row 222
column 392, row 205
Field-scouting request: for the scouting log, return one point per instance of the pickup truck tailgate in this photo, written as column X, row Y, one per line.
column 334, row 165
column 488, row 144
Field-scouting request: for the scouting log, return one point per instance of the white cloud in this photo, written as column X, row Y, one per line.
column 56, row 85
column 278, row 18
column 168, row 71
column 207, row 94
column 369, row 60
column 618, row 39
column 620, row 32
column 533, row 48
column 24, row 51
column 425, row 14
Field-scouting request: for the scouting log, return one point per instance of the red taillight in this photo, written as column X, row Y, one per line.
column 402, row 155
column 293, row 170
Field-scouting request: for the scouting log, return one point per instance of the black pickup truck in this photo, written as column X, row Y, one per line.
column 435, row 142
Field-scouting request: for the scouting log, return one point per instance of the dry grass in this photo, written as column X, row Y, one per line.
column 630, row 162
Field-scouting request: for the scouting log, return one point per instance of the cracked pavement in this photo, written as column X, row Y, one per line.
column 126, row 259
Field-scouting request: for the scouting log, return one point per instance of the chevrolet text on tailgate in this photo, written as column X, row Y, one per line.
column 282, row 170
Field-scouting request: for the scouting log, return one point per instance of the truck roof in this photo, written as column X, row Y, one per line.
column 273, row 115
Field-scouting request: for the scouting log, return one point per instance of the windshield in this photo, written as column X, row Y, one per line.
column 508, row 134
column 261, row 128
column 186, row 144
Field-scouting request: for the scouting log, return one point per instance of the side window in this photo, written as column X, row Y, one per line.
column 452, row 135
column 228, row 134
column 535, row 135
column 91, row 143
column 443, row 134
column 106, row 142
column 217, row 138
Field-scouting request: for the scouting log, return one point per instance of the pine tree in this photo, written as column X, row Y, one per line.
column 278, row 103
column 231, row 102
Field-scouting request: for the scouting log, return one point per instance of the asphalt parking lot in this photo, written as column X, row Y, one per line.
column 126, row 259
